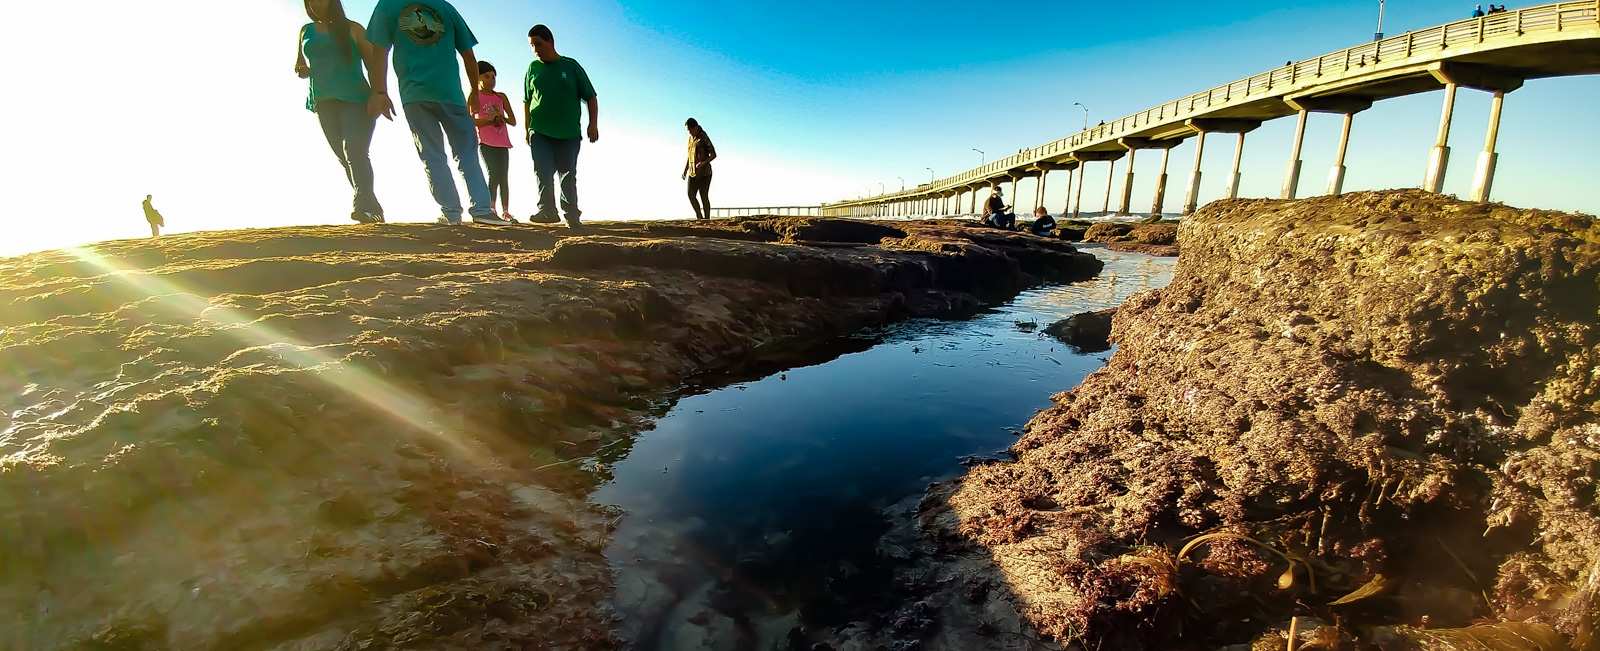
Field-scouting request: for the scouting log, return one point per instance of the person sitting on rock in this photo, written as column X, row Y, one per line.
column 1043, row 224
column 996, row 212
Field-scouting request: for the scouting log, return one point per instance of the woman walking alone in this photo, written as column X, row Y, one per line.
column 697, row 170
column 333, row 52
column 494, row 138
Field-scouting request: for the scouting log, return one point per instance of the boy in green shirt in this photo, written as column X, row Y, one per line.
column 552, row 90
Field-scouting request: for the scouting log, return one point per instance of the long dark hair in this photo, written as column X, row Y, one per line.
column 338, row 25
column 695, row 129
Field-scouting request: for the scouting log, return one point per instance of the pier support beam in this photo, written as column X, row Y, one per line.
column 1291, row 178
column 1127, row 184
column 1192, row 200
column 1077, row 201
column 1336, row 175
column 1161, row 184
column 1038, row 190
column 1111, row 173
column 1483, row 180
column 974, row 209
column 1083, row 158
column 1347, row 105
column 1066, row 201
column 1487, row 78
column 1014, row 181
column 1439, row 158
column 1238, row 157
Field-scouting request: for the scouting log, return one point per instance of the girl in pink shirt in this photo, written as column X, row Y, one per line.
column 494, row 138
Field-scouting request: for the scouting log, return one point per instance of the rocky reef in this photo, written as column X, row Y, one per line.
column 374, row 437
column 1375, row 416
column 1154, row 238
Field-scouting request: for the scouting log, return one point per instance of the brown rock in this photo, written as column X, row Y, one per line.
column 372, row 437
column 1391, row 381
column 1089, row 332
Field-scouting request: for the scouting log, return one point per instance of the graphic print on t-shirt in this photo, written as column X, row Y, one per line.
column 422, row 24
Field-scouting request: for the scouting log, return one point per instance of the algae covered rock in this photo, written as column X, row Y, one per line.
column 1152, row 237
column 1385, row 382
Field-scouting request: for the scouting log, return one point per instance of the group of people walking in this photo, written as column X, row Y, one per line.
column 348, row 68
column 1478, row 12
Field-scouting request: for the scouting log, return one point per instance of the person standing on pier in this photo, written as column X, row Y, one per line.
column 427, row 36
column 153, row 218
column 552, row 90
column 697, row 170
column 1477, row 11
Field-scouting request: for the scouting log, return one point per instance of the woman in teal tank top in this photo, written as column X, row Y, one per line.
column 334, row 53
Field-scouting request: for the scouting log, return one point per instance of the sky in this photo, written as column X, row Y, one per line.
column 196, row 102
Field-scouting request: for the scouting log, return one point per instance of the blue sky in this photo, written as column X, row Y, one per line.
column 807, row 102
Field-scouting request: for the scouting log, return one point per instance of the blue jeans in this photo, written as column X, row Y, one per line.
column 348, row 128
column 553, row 157
column 427, row 120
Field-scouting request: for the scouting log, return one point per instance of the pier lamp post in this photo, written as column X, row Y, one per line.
column 902, row 183
column 1085, row 114
column 982, row 157
column 881, row 189
column 1378, row 35
column 930, row 175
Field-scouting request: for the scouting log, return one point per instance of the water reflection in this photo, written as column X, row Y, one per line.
column 755, row 506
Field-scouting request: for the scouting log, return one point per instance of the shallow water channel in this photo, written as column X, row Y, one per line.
column 753, row 504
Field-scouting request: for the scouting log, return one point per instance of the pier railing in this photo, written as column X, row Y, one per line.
column 1426, row 44
column 782, row 211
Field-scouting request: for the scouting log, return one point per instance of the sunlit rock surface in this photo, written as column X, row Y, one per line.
column 1395, row 390
column 368, row 437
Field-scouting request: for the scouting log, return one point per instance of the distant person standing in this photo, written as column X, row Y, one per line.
column 1477, row 11
column 552, row 90
column 427, row 36
column 153, row 217
column 697, row 170
column 333, row 53
column 494, row 114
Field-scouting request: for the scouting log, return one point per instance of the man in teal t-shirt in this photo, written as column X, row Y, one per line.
column 427, row 37
column 552, row 90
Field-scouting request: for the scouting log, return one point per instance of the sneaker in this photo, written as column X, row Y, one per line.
column 543, row 219
column 366, row 218
column 573, row 223
column 448, row 221
column 490, row 219
column 507, row 216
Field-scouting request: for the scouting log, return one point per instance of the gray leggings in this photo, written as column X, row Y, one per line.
column 348, row 128
column 497, row 162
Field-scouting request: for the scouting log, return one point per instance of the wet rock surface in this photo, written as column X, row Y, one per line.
column 1154, row 238
column 1386, row 400
column 377, row 437
column 1089, row 332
